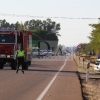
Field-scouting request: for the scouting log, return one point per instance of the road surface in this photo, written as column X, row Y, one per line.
column 53, row 79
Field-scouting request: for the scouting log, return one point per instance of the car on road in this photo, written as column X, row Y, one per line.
column 50, row 52
column 47, row 52
column 37, row 52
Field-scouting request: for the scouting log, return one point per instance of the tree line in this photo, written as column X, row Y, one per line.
column 42, row 30
column 94, row 44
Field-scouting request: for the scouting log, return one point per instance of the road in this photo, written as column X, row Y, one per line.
column 45, row 80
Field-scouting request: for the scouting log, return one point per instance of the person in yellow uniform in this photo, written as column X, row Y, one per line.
column 20, row 59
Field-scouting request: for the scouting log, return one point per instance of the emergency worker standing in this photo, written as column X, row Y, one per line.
column 20, row 59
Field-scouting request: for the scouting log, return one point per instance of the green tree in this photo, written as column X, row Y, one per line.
column 95, row 37
column 46, row 25
column 17, row 25
column 4, row 24
column 21, row 26
column 45, row 30
column 26, row 25
column 43, row 35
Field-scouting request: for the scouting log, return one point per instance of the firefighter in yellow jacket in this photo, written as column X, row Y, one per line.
column 20, row 59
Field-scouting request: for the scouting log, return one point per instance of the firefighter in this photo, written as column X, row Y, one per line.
column 20, row 59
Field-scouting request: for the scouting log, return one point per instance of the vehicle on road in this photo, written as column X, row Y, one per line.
column 50, row 52
column 47, row 52
column 36, row 53
column 10, row 41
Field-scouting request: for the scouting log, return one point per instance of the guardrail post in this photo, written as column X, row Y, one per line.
column 87, row 72
column 83, row 63
column 87, row 75
column 78, row 60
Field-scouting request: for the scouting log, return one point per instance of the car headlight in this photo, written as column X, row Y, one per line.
column 8, row 56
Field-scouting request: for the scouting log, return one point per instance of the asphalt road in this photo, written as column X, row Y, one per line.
column 46, row 79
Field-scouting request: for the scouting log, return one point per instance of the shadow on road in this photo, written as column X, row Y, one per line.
column 52, row 71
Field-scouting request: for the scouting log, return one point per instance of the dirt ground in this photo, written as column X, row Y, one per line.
column 90, row 89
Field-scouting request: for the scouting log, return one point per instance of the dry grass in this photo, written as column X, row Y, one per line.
column 90, row 89
column 81, row 68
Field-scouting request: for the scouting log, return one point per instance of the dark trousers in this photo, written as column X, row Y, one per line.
column 20, row 62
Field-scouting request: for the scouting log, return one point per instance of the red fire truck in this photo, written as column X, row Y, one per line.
column 10, row 41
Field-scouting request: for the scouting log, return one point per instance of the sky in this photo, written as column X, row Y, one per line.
column 73, row 31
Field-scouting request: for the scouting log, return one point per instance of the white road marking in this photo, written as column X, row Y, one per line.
column 51, row 82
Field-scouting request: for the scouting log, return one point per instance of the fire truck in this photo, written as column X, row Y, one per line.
column 10, row 41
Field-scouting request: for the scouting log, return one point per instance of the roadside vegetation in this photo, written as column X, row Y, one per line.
column 94, row 44
column 90, row 89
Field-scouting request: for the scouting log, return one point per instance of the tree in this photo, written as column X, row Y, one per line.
column 43, row 35
column 21, row 26
column 95, row 37
column 46, row 25
column 45, row 30
column 17, row 25
column 26, row 25
column 4, row 24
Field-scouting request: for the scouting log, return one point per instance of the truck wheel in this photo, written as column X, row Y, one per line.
column 25, row 65
column 1, row 65
column 29, row 63
column 13, row 64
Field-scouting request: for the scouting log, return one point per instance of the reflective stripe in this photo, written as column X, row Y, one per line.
column 20, row 53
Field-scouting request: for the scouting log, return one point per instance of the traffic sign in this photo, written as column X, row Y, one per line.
column 79, row 46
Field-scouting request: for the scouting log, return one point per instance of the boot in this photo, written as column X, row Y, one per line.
column 17, row 71
column 22, row 71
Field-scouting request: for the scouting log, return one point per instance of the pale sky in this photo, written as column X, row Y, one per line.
column 73, row 31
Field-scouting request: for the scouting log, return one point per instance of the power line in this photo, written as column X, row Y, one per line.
column 14, row 15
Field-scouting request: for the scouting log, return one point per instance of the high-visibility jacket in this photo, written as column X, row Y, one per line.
column 20, row 53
